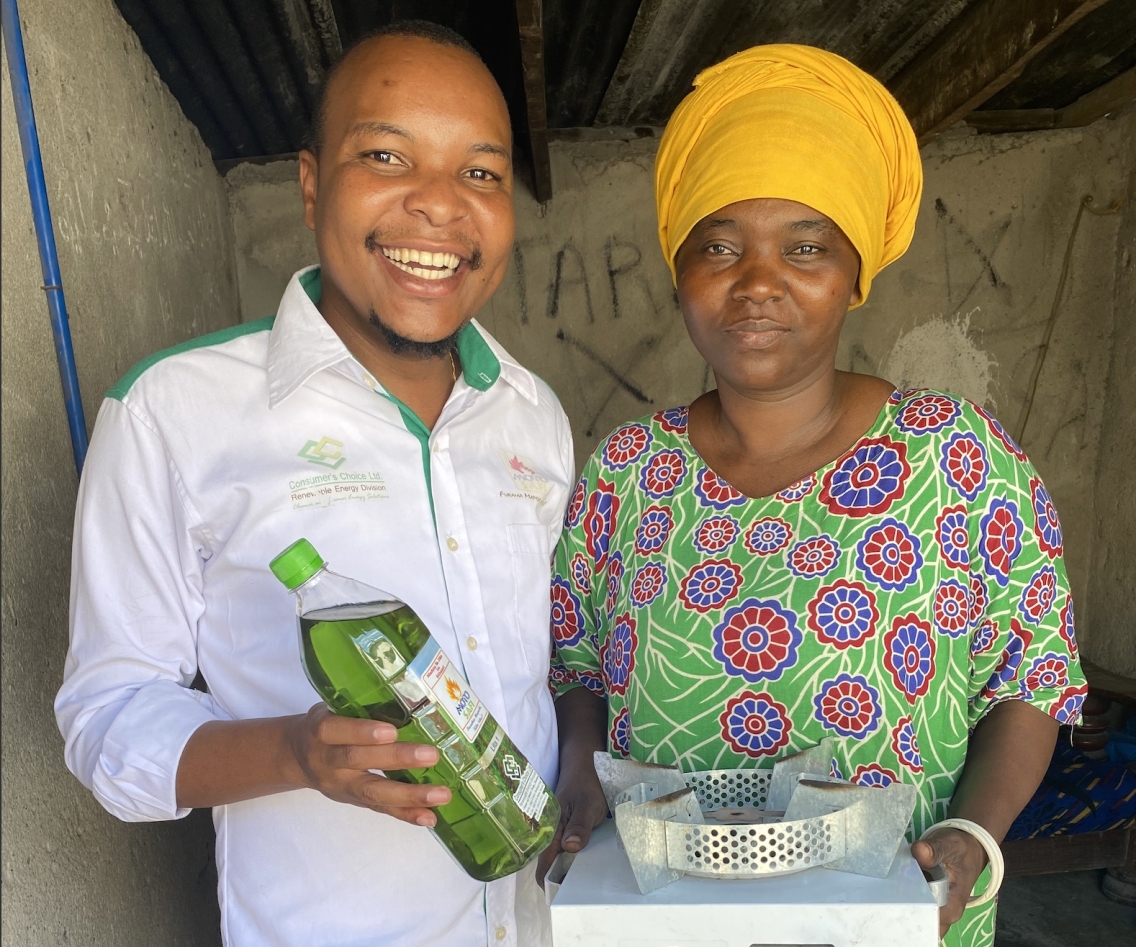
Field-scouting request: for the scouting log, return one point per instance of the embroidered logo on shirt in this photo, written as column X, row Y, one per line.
column 325, row 452
column 325, row 489
column 529, row 484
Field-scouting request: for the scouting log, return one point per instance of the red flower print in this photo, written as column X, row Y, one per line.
column 581, row 574
column 757, row 640
column 813, row 558
column 576, row 505
column 844, row 614
column 868, row 480
column 1066, row 630
column 599, row 522
column 710, row 585
column 767, row 536
column 625, row 446
column 1046, row 524
column 654, row 528
column 648, row 584
column 927, row 414
column 1011, row 660
column 1067, row 708
column 715, row 534
column 953, row 538
column 617, row 655
column 566, row 618
column 1038, row 596
column 889, row 555
column 663, row 473
column 755, row 724
column 874, row 776
column 951, row 608
column 714, row 492
column 620, row 734
column 614, row 581
column 984, row 637
column 906, row 746
column 673, row 420
column 909, row 654
column 963, row 459
column 799, row 490
column 1046, row 673
column 979, row 599
column 849, row 705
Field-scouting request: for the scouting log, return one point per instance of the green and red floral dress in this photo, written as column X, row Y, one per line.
column 888, row 600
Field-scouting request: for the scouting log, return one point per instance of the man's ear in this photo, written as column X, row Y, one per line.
column 309, row 186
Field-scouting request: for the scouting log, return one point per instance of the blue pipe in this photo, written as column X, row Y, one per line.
column 45, row 230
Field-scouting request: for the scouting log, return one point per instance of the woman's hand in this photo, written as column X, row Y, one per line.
column 582, row 808
column 582, row 719
column 962, row 857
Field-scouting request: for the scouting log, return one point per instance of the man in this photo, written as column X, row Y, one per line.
column 374, row 418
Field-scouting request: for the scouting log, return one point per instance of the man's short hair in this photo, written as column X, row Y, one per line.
column 423, row 29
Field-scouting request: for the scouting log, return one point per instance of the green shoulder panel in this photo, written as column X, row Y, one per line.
column 118, row 392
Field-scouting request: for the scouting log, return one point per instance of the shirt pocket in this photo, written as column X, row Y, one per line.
column 532, row 578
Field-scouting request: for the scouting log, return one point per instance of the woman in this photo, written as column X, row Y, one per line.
column 805, row 552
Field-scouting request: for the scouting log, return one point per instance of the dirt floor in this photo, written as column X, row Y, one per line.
column 1065, row 910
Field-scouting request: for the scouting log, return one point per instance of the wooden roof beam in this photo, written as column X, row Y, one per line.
column 979, row 54
column 530, row 21
column 1103, row 100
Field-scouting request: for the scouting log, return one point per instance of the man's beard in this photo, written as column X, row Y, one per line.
column 401, row 345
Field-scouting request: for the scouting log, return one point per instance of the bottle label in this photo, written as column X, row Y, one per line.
column 531, row 794
column 491, row 750
column 449, row 690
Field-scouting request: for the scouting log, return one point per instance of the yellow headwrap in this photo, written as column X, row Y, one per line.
column 800, row 124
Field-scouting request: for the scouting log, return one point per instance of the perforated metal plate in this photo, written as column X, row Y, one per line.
column 729, row 788
column 740, row 851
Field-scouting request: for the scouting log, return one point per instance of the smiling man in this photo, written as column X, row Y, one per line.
column 374, row 417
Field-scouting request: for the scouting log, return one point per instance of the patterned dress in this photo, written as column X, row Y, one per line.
column 887, row 600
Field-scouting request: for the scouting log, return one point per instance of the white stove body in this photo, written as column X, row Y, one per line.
column 598, row 904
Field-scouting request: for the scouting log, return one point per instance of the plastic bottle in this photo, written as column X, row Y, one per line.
column 369, row 655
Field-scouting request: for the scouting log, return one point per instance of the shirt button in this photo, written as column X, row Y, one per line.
column 500, row 933
column 452, row 544
column 471, row 643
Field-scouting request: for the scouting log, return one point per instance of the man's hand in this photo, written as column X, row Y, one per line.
column 336, row 756
column 227, row 761
column 962, row 857
column 582, row 808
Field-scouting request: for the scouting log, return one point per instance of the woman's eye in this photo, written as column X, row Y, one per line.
column 718, row 249
column 383, row 157
column 808, row 249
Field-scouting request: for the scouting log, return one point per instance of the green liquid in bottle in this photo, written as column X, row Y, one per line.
column 362, row 661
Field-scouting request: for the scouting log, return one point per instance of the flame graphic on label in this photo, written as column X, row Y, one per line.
column 453, row 689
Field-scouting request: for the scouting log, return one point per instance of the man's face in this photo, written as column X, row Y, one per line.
column 411, row 195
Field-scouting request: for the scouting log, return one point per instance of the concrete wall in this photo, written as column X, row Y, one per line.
column 146, row 252
column 966, row 309
column 588, row 305
column 1112, row 587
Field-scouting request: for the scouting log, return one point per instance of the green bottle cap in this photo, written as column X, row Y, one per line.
column 296, row 564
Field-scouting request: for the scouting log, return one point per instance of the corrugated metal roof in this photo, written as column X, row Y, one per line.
column 247, row 72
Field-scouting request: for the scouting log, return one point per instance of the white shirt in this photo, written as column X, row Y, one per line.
column 208, row 460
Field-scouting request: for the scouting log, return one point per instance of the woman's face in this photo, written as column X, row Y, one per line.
column 764, row 285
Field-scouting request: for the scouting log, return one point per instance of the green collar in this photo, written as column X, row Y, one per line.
column 480, row 367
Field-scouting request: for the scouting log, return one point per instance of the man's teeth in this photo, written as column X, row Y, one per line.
column 444, row 264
